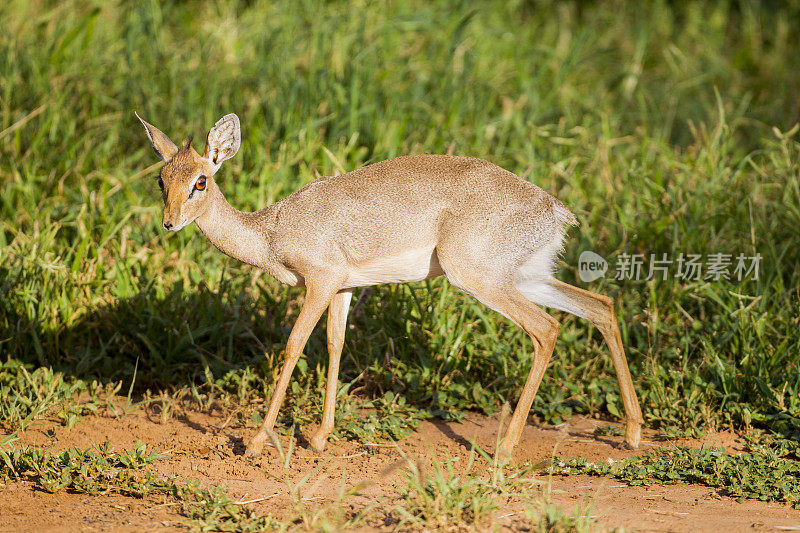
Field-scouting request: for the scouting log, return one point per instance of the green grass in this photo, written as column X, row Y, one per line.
column 666, row 129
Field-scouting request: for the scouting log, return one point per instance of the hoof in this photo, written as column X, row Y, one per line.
column 318, row 441
column 633, row 433
column 504, row 452
column 255, row 446
column 253, row 451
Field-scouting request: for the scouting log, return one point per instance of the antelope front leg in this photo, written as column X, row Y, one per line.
column 337, row 326
column 317, row 299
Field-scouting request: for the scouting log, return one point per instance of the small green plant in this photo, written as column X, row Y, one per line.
column 608, row 429
column 451, row 497
column 546, row 517
column 760, row 475
column 27, row 395
column 442, row 498
column 99, row 469
column 328, row 517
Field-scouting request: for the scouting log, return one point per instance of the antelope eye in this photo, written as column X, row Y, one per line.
column 200, row 184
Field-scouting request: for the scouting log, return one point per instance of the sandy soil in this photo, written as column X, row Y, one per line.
column 199, row 448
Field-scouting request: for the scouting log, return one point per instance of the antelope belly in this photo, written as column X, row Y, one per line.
column 411, row 265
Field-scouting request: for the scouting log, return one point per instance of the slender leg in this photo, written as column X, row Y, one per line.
column 543, row 330
column 599, row 310
column 337, row 325
column 317, row 299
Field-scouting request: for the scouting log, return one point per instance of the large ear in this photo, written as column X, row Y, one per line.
column 223, row 140
column 164, row 147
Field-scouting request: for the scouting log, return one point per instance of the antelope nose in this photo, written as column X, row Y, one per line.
column 167, row 225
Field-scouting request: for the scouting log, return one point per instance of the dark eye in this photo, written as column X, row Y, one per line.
column 200, row 184
column 161, row 183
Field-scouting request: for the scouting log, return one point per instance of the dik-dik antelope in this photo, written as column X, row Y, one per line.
column 491, row 233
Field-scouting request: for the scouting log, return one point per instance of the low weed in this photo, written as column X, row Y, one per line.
column 760, row 474
column 443, row 498
column 28, row 393
column 100, row 470
column 451, row 497
column 95, row 470
column 545, row 517
column 446, row 496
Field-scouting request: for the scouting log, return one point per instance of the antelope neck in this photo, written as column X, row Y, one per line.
column 235, row 233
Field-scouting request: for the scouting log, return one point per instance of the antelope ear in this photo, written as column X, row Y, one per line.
column 223, row 140
column 164, row 147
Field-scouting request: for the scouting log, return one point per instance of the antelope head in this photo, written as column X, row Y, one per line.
column 187, row 178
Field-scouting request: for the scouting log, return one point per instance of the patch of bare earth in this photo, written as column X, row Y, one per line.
column 199, row 448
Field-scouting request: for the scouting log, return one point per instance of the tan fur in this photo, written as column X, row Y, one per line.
column 493, row 234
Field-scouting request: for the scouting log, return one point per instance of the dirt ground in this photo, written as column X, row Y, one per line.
column 198, row 449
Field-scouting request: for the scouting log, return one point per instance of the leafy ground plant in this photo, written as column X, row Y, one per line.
column 92, row 471
column 445, row 495
column 760, row 475
column 545, row 517
column 101, row 470
column 443, row 498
